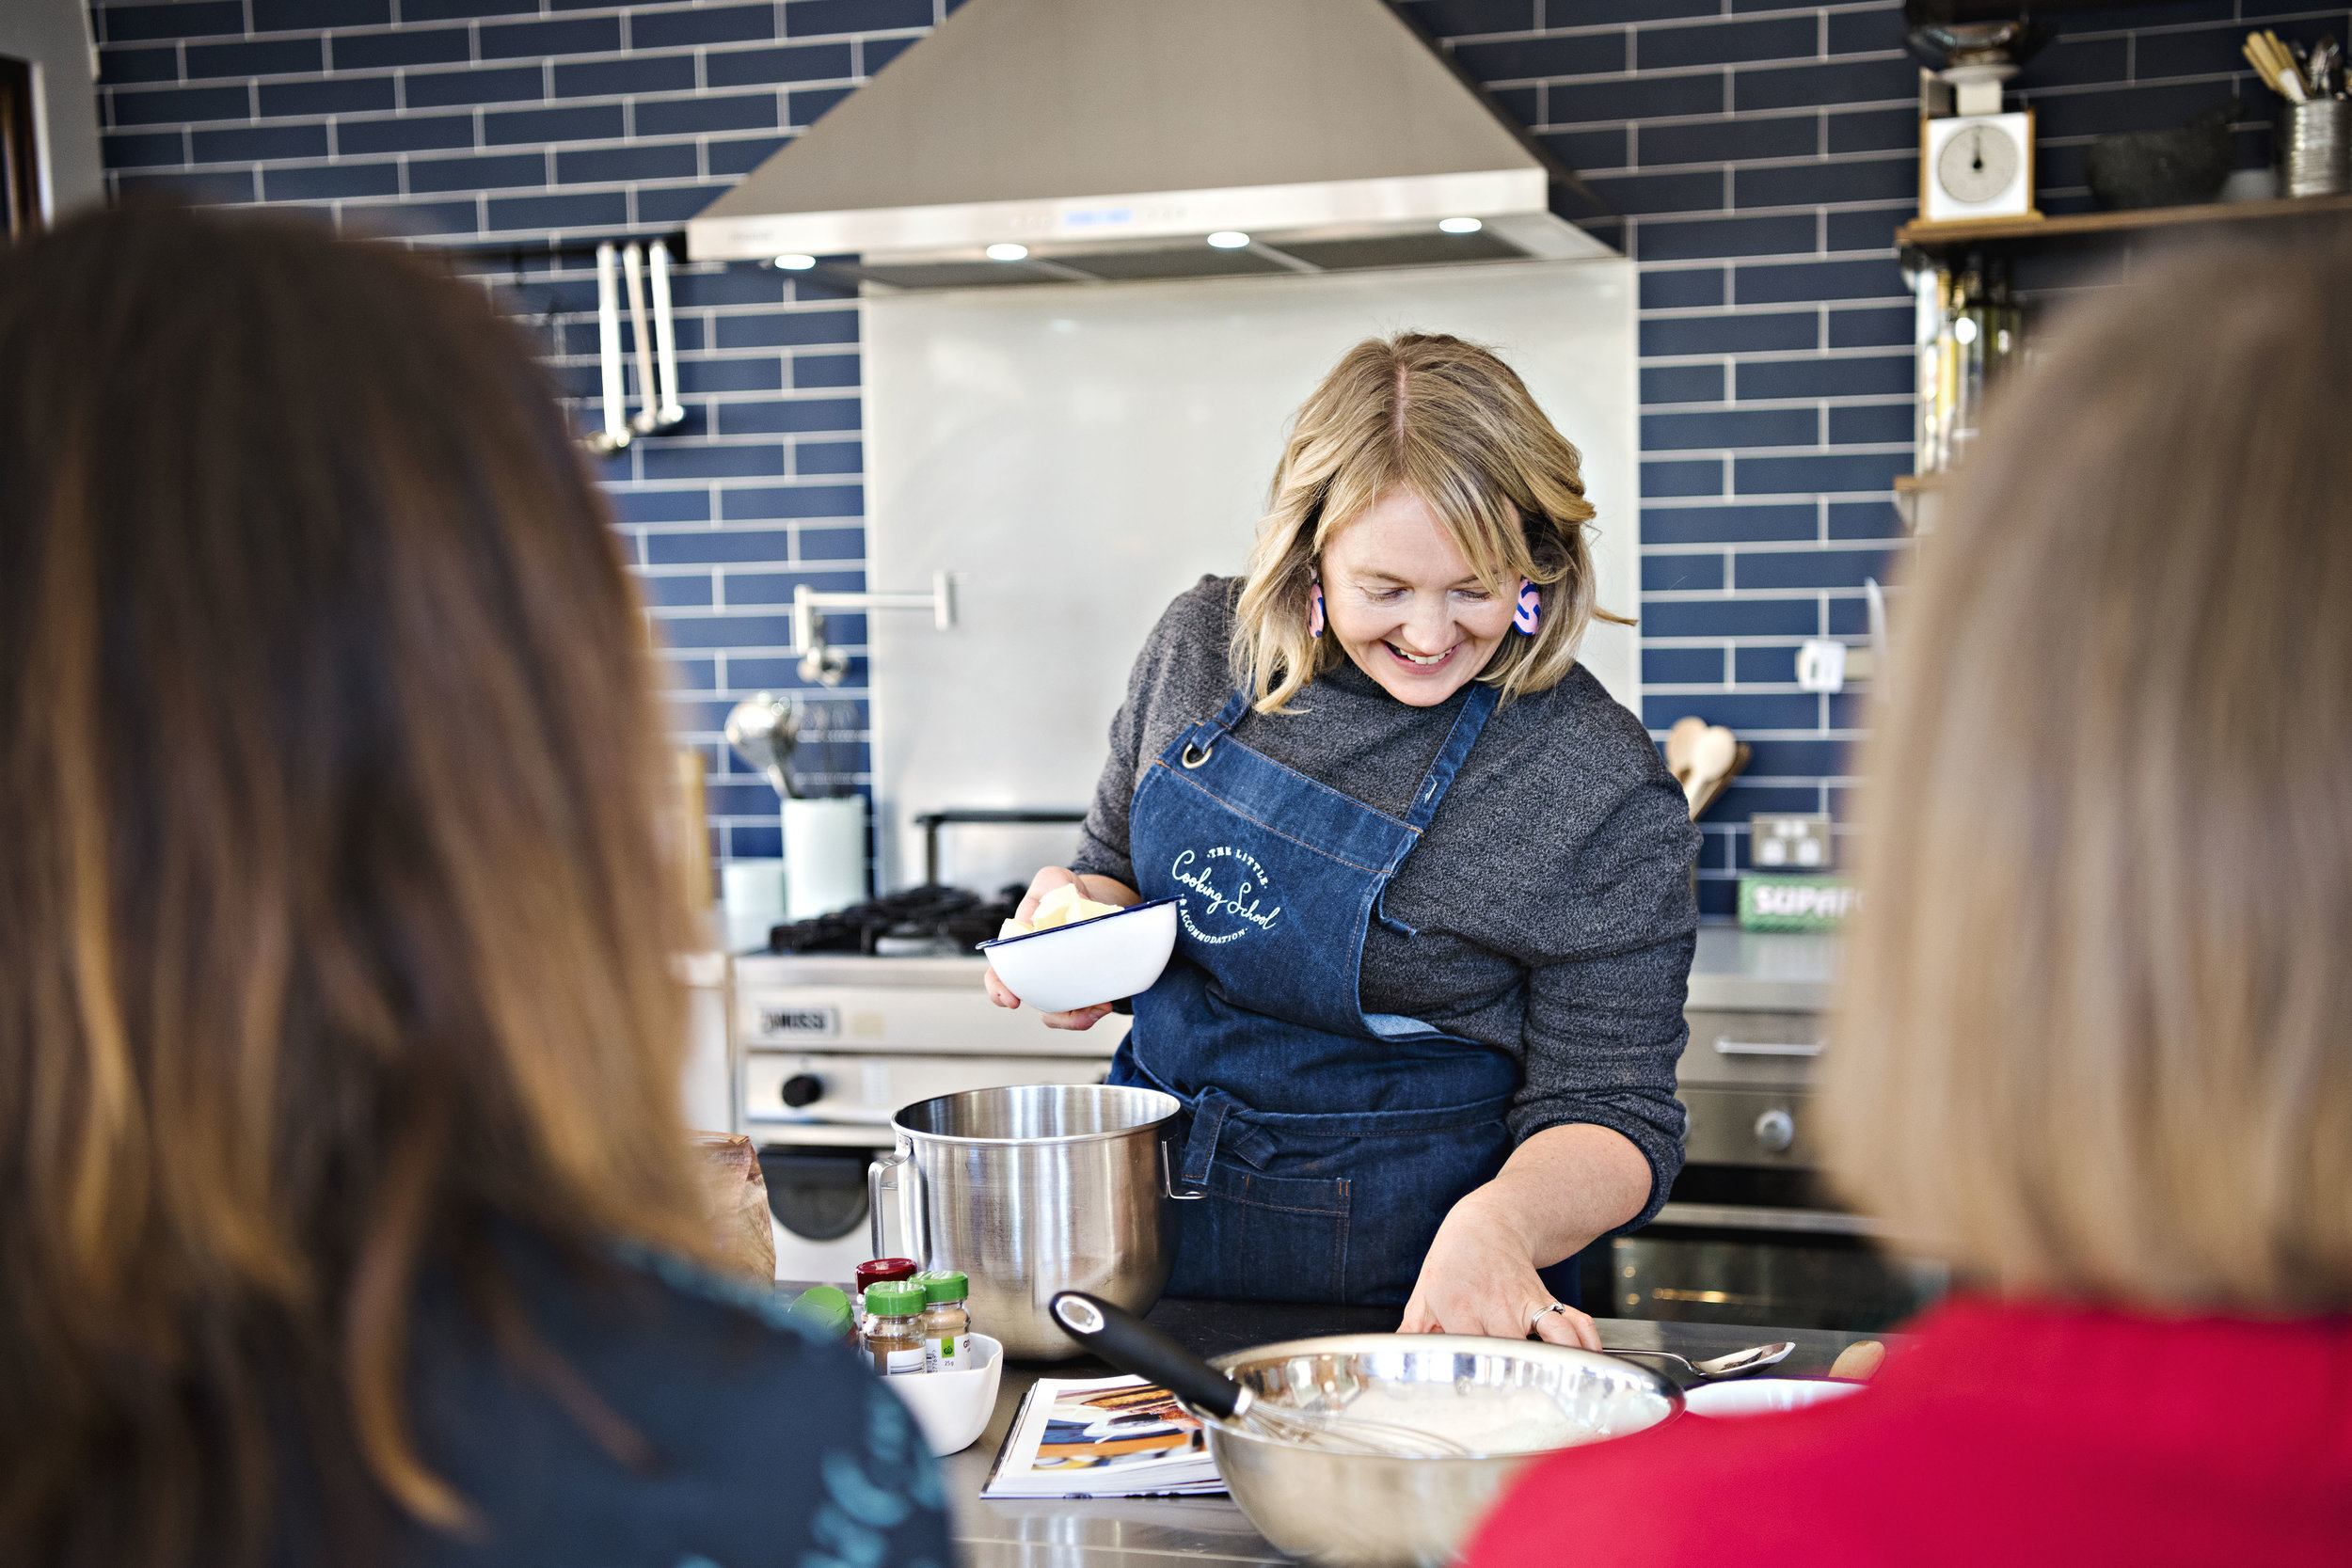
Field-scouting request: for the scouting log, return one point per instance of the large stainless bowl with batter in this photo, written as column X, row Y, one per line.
column 1510, row 1403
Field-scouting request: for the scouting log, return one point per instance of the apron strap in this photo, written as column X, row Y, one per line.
column 1476, row 710
column 1209, row 1111
column 1201, row 740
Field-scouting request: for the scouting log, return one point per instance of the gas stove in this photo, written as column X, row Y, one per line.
column 932, row 921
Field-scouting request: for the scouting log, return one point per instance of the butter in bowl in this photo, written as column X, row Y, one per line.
column 1069, row 957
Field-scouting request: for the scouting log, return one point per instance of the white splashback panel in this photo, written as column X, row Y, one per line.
column 1079, row 455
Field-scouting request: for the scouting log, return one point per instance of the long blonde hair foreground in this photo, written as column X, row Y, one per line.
column 2096, row 1031
column 334, row 931
column 1450, row 423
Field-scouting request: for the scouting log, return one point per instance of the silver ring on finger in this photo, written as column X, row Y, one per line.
column 1542, row 1312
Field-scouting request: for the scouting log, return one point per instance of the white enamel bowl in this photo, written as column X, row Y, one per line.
column 1765, row 1396
column 1087, row 961
column 952, row 1408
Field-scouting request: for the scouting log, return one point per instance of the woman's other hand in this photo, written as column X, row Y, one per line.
column 1480, row 1278
column 1103, row 890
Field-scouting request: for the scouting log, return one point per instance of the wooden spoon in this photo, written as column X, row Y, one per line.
column 1681, row 741
column 1859, row 1361
column 1712, row 756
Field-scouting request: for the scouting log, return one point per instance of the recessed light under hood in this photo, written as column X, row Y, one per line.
column 1108, row 139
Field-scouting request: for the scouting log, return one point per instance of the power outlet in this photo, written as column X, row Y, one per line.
column 1790, row 841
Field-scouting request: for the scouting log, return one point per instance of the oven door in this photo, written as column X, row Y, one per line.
column 1750, row 1235
column 1764, row 1267
column 817, row 1207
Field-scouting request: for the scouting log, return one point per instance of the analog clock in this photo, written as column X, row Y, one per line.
column 1976, row 166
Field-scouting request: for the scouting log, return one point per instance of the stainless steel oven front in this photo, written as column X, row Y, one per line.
column 1750, row 1233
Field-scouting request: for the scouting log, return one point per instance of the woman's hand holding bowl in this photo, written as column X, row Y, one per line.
column 1103, row 890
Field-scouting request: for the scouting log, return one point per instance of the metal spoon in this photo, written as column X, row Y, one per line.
column 1738, row 1363
column 2321, row 67
column 763, row 730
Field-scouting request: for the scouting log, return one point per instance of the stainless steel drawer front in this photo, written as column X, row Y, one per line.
column 1739, row 1049
column 1748, row 1127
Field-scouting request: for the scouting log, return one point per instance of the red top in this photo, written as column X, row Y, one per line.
column 1999, row 1434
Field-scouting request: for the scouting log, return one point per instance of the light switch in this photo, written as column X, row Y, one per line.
column 1821, row 665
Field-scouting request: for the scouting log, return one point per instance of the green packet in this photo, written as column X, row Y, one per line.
column 1796, row 903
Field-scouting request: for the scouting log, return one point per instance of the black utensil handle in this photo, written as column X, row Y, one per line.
column 1132, row 1345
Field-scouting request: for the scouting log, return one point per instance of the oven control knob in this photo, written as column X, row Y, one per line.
column 1776, row 1130
column 803, row 1088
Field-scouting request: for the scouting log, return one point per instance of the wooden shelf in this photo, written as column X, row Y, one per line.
column 1942, row 236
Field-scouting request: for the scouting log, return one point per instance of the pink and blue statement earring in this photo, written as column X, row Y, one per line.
column 1528, row 613
column 1315, row 608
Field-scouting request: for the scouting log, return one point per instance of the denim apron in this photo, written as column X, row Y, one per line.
column 1320, row 1145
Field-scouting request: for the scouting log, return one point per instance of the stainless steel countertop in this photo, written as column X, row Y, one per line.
column 1147, row 1532
column 1767, row 970
column 1778, row 972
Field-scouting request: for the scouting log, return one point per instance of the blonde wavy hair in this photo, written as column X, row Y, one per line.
column 1450, row 423
column 2095, row 1030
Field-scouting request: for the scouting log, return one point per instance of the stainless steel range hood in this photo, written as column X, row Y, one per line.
column 1110, row 139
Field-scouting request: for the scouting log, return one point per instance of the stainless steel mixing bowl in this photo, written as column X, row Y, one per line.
column 1378, row 1511
column 1032, row 1190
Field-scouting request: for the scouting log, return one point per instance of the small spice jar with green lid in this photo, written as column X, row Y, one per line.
column 825, row 1310
column 946, row 1326
column 894, row 1326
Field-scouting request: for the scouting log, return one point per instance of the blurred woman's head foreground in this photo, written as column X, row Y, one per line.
column 2097, row 1014
column 2095, row 1040
column 336, row 926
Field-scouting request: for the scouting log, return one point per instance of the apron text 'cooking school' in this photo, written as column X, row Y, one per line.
column 1321, row 1145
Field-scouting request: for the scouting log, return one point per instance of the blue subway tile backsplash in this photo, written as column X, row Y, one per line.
column 273, row 57
column 339, row 95
column 126, row 23
column 1757, row 154
column 672, row 29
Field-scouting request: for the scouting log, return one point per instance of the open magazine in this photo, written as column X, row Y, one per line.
column 1102, row 1437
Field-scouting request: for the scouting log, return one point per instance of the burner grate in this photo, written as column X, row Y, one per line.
column 921, row 921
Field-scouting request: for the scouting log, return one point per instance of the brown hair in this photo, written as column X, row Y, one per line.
column 2096, row 1032
column 335, row 922
column 1450, row 423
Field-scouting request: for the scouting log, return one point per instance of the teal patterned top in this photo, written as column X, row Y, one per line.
column 756, row 1445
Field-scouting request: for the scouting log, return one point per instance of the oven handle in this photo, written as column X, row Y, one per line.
column 1726, row 1046
column 1744, row 1216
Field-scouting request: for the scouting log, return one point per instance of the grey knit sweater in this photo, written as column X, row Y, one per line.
column 1550, row 895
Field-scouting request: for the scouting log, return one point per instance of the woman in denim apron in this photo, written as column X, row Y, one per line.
column 1326, row 1152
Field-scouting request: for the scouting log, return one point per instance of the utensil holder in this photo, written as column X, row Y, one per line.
column 824, row 855
column 752, row 899
column 2315, row 148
